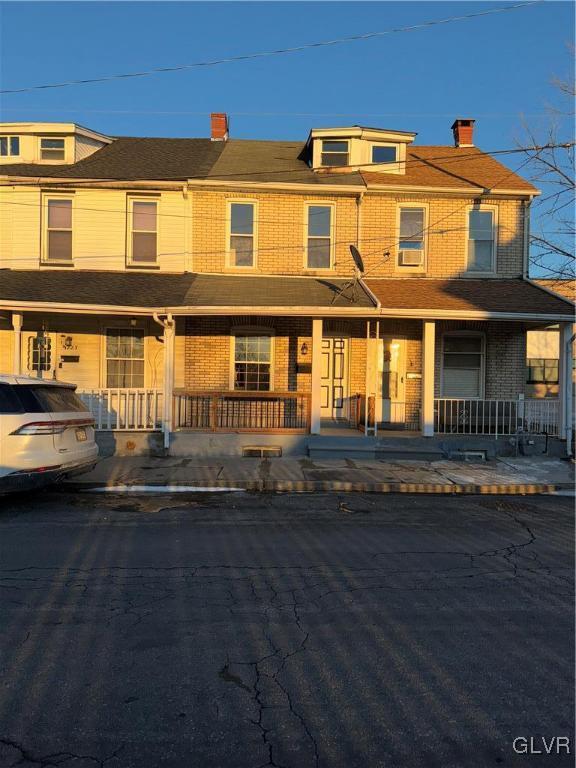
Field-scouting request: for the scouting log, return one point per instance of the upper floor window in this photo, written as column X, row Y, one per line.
column 383, row 154
column 252, row 362
column 241, row 246
column 319, row 237
column 480, row 240
column 143, row 236
column 334, row 153
column 58, row 230
column 9, row 146
column 52, row 149
column 411, row 240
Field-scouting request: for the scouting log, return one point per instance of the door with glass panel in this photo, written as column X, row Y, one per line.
column 390, row 402
column 334, row 380
column 39, row 354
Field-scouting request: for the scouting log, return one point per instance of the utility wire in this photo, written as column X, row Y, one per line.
column 277, row 52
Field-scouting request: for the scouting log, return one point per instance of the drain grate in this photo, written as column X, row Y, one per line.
column 262, row 451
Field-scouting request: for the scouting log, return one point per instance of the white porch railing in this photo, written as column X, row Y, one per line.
column 496, row 417
column 124, row 409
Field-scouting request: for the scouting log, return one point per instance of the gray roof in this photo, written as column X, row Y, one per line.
column 154, row 290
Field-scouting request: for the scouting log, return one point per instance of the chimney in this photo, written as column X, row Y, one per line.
column 463, row 131
column 219, row 126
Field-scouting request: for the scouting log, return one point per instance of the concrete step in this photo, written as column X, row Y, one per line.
column 361, row 447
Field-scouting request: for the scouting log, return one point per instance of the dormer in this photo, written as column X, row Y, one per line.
column 48, row 143
column 341, row 150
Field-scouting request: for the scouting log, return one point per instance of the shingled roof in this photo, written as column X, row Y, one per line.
column 132, row 158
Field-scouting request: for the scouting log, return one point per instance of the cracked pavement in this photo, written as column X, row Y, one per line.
column 304, row 631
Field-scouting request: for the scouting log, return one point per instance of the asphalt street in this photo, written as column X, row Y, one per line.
column 296, row 631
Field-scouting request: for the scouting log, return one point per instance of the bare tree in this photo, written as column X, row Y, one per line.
column 552, row 168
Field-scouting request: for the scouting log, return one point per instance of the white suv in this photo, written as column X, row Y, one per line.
column 46, row 433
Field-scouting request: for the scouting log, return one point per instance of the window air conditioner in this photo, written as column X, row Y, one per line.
column 410, row 258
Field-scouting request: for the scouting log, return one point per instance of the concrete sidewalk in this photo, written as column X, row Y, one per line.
column 518, row 475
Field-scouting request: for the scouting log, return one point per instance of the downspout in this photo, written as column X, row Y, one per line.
column 168, row 325
column 359, row 200
column 568, row 390
column 526, row 248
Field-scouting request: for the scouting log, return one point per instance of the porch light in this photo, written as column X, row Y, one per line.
column 304, row 349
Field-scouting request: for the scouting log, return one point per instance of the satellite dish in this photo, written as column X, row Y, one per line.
column 357, row 259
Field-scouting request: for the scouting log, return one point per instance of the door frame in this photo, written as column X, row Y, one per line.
column 346, row 388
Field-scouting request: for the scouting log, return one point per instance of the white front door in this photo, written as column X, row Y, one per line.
column 390, row 400
column 39, row 354
column 334, row 384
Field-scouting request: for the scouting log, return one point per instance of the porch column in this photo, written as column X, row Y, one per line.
column 428, row 348
column 316, row 383
column 169, row 333
column 565, row 380
column 17, row 320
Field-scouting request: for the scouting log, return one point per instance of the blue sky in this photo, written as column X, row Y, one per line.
column 494, row 68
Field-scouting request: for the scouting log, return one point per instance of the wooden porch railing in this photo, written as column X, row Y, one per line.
column 242, row 411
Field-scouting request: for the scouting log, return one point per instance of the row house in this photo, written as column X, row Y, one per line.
column 234, row 294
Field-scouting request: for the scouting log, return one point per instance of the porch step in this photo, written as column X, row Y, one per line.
column 409, row 448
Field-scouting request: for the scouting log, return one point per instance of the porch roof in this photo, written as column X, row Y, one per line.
column 166, row 292
column 430, row 297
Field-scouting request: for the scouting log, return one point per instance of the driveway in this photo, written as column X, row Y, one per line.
column 303, row 631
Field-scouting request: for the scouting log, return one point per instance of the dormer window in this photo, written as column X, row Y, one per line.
column 384, row 153
column 52, row 149
column 9, row 146
column 335, row 153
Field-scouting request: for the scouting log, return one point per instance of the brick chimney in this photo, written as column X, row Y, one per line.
column 219, row 126
column 463, row 131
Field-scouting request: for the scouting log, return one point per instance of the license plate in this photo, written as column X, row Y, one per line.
column 81, row 435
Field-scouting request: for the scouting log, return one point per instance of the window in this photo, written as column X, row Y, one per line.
column 9, row 146
column 542, row 370
column 382, row 154
column 58, row 246
column 463, row 366
column 319, row 237
column 52, row 149
column 124, row 358
column 334, row 153
column 241, row 245
column 411, row 240
column 40, row 353
column 144, row 231
column 480, row 240
column 252, row 362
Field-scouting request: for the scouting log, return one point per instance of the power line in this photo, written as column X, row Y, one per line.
column 277, row 52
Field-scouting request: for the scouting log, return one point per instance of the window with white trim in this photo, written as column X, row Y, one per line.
column 542, row 370
column 143, row 216
column 9, row 146
column 252, row 362
column 40, row 352
column 463, row 366
column 124, row 358
column 334, row 153
column 241, row 246
column 411, row 239
column 58, row 230
column 384, row 153
column 319, row 245
column 52, row 149
column 480, row 240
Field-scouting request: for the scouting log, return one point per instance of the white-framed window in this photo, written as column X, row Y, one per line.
column 252, row 361
column 481, row 248
column 542, row 370
column 9, row 146
column 40, row 352
column 124, row 358
column 52, row 149
column 384, row 153
column 57, row 245
column 463, row 365
column 143, row 231
column 242, row 235
column 319, row 236
column 334, row 153
column 412, row 236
